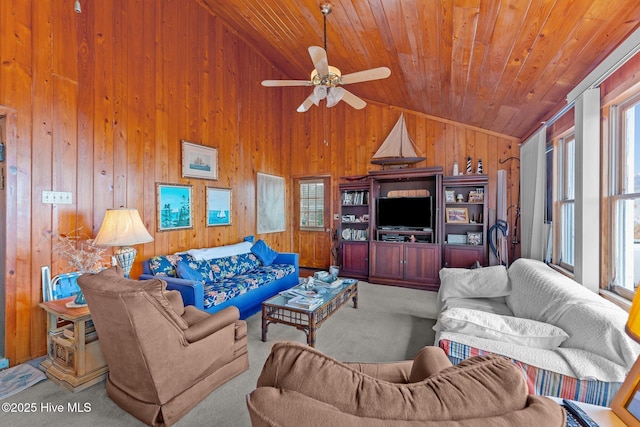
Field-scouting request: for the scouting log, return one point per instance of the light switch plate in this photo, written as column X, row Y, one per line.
column 59, row 197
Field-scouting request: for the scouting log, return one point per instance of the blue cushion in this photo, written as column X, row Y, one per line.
column 186, row 272
column 199, row 271
column 264, row 252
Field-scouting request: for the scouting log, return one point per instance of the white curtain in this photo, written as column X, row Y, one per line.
column 532, row 196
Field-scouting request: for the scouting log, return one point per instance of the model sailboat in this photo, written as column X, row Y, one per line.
column 397, row 149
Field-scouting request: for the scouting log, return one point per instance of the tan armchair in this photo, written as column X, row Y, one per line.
column 163, row 357
column 300, row 386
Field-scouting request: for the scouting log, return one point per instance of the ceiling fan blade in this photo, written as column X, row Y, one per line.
column 353, row 100
column 334, row 95
column 319, row 59
column 273, row 83
column 366, row 75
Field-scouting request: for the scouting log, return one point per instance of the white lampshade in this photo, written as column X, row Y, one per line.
column 123, row 227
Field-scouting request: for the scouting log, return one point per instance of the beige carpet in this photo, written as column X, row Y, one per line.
column 390, row 324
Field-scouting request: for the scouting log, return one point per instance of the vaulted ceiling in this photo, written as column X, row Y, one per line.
column 501, row 65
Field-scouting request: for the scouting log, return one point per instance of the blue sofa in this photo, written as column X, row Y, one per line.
column 241, row 280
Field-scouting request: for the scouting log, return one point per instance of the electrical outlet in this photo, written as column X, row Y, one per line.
column 59, row 197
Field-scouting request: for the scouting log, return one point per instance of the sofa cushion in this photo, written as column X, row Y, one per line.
column 515, row 330
column 487, row 282
column 164, row 265
column 217, row 292
column 220, row 251
column 227, row 267
column 265, row 254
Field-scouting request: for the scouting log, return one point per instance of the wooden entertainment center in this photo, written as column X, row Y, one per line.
column 427, row 230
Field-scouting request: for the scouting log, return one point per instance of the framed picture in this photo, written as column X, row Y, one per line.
column 199, row 161
column 476, row 197
column 218, row 206
column 270, row 197
column 474, row 238
column 457, row 215
column 450, row 196
column 174, row 206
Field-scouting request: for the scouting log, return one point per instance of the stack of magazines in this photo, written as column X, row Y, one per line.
column 302, row 298
column 304, row 303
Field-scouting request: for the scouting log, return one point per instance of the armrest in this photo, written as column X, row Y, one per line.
column 287, row 258
column 212, row 324
column 192, row 291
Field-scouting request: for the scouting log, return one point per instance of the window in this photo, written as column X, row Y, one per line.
column 566, row 196
column 625, row 200
column 312, row 204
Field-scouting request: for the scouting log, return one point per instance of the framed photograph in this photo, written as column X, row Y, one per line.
column 218, row 206
column 456, row 239
column 450, row 196
column 174, row 204
column 474, row 238
column 270, row 197
column 476, row 197
column 457, row 215
column 199, row 161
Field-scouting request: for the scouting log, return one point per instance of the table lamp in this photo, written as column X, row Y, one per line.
column 123, row 227
column 626, row 403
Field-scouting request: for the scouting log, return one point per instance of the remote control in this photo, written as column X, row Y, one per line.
column 582, row 416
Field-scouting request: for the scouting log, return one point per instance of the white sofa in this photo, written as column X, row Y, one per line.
column 568, row 341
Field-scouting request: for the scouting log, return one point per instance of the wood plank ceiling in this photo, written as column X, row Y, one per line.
column 501, row 65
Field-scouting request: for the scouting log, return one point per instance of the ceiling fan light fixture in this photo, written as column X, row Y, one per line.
column 319, row 92
column 334, row 95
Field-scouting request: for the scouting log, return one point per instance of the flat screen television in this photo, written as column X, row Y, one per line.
column 404, row 212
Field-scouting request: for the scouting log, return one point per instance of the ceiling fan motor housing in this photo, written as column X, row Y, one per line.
column 332, row 79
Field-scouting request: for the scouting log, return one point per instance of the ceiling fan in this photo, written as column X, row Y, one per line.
column 327, row 80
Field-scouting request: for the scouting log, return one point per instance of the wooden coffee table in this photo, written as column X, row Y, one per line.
column 275, row 310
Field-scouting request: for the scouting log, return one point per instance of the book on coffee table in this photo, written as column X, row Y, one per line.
column 304, row 302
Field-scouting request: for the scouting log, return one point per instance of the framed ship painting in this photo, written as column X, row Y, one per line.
column 199, row 161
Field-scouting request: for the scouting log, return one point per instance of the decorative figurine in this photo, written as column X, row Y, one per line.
column 469, row 164
column 455, row 168
column 479, row 165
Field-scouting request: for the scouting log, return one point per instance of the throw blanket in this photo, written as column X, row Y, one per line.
column 597, row 346
column 593, row 323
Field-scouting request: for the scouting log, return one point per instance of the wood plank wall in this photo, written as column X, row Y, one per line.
column 98, row 102
column 341, row 141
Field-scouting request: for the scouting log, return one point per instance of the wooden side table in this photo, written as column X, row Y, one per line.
column 74, row 360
